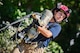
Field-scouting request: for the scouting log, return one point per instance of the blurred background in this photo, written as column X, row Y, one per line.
column 68, row 40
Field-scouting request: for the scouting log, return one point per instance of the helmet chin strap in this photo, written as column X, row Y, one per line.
column 54, row 19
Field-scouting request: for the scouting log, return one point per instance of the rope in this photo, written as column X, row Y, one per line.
column 23, row 18
column 17, row 32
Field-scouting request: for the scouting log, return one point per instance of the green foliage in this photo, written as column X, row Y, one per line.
column 19, row 14
column 5, row 44
column 54, row 48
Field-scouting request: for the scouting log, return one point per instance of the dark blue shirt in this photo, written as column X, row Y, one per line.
column 55, row 28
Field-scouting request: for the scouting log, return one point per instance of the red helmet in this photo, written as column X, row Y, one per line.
column 64, row 8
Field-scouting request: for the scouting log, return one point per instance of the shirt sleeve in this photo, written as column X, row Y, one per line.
column 55, row 30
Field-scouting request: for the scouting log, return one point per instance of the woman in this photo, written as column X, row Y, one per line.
column 60, row 13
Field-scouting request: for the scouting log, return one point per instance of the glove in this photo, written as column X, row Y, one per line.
column 21, row 35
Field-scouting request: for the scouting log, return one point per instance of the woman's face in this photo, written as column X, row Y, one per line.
column 59, row 16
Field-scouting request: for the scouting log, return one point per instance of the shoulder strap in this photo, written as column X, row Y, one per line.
column 50, row 26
